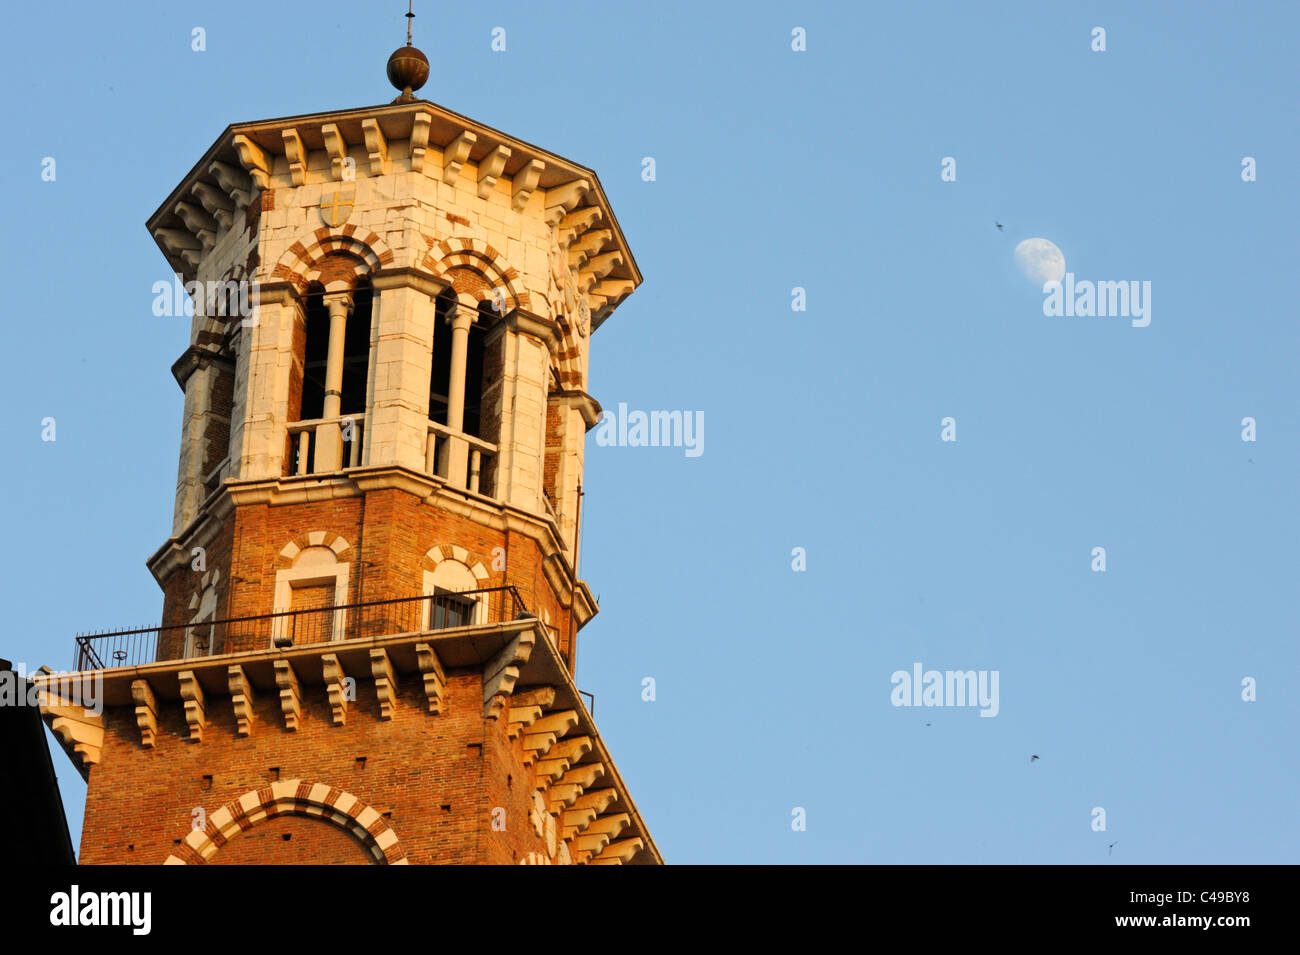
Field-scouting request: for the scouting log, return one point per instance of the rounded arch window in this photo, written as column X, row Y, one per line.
column 452, row 601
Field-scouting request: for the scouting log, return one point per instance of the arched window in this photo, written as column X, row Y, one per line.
column 312, row 588
column 451, row 602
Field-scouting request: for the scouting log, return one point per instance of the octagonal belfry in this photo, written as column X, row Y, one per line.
column 421, row 293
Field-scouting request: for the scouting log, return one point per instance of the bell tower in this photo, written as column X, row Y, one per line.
column 370, row 591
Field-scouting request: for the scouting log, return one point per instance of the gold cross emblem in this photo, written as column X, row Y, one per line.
column 335, row 208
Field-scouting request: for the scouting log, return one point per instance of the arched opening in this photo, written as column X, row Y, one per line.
column 305, row 597
column 313, row 391
column 476, row 378
column 451, row 602
column 462, row 446
column 297, row 798
column 440, row 373
column 295, row 839
column 316, row 351
column 356, row 352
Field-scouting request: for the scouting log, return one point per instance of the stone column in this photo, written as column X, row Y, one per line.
column 461, row 318
column 329, row 437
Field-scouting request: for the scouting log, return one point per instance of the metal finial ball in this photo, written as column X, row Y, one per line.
column 408, row 68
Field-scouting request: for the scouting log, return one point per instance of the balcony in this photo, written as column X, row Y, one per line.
column 326, row 445
column 322, row 445
column 460, row 459
column 371, row 619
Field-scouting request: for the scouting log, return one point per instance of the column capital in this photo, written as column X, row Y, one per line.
column 415, row 279
column 276, row 293
column 338, row 300
column 328, row 446
column 463, row 313
column 521, row 322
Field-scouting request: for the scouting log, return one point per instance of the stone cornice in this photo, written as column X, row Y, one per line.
column 383, row 477
column 584, row 403
column 519, row 321
column 78, row 728
column 194, row 358
column 559, row 575
column 586, row 602
column 277, row 293
column 248, row 158
column 176, row 552
column 408, row 277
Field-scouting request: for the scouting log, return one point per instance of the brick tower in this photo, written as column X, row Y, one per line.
column 370, row 592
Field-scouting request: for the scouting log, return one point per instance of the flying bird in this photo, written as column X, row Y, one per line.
column 998, row 224
column 1110, row 847
column 1034, row 757
column 927, row 724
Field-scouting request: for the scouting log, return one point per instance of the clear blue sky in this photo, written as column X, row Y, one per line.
column 778, row 169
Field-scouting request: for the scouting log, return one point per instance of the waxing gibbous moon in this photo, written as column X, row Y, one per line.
column 1040, row 260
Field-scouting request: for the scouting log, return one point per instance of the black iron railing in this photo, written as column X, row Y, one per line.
column 375, row 618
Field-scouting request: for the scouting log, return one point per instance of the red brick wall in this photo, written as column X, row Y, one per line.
column 554, row 448
column 388, row 531
column 436, row 779
column 294, row 840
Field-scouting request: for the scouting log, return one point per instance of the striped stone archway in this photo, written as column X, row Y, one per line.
column 292, row 797
column 461, row 256
column 369, row 253
column 291, row 550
